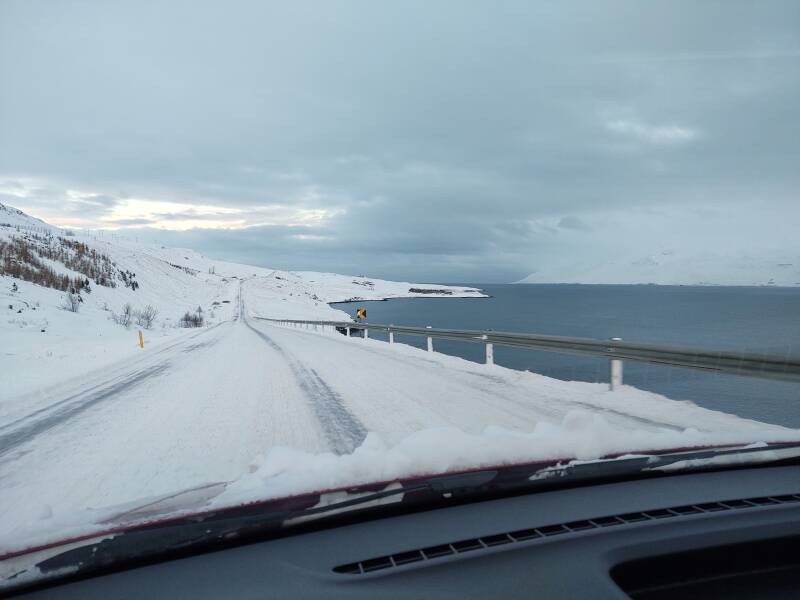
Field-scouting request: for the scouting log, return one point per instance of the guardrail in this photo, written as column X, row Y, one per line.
column 615, row 349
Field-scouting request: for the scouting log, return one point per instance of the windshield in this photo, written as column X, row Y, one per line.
column 583, row 218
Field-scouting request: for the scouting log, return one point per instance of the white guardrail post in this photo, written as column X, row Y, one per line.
column 615, row 370
column 430, row 340
column 366, row 333
column 391, row 336
column 489, row 351
column 347, row 329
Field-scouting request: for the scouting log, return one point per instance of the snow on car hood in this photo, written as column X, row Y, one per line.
column 283, row 472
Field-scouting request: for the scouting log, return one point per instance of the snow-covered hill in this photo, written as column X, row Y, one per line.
column 669, row 267
column 34, row 325
column 11, row 217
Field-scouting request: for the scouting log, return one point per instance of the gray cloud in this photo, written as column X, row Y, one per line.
column 571, row 222
column 131, row 222
column 455, row 141
column 184, row 215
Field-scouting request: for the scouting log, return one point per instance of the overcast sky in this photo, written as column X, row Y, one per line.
column 449, row 141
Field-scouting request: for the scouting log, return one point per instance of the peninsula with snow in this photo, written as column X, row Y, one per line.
column 216, row 398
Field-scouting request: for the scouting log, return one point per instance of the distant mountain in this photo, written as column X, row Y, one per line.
column 11, row 217
column 670, row 267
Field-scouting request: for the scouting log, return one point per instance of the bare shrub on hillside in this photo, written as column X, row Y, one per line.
column 18, row 260
column 129, row 279
column 71, row 302
column 194, row 319
column 124, row 317
column 22, row 257
column 146, row 316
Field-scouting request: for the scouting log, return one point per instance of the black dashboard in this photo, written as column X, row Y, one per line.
column 732, row 534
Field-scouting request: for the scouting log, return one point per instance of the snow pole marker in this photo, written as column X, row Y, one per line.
column 141, row 340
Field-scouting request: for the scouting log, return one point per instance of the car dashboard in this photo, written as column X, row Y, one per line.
column 733, row 534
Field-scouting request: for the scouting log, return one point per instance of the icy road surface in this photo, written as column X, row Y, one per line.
column 200, row 409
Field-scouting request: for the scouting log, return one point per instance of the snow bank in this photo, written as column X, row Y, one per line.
column 580, row 436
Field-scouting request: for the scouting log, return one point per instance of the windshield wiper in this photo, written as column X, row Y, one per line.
column 152, row 543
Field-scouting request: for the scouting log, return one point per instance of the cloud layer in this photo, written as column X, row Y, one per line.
column 452, row 141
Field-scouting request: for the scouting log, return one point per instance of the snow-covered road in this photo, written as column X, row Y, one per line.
column 199, row 409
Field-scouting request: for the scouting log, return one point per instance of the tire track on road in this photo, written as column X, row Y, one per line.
column 343, row 431
column 73, row 406
column 69, row 387
column 25, row 428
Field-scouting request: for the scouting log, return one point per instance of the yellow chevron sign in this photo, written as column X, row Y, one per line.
column 361, row 313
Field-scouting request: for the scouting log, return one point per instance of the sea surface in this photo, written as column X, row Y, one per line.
column 752, row 319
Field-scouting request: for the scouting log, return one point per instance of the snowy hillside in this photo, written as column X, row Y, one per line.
column 670, row 267
column 13, row 217
column 173, row 281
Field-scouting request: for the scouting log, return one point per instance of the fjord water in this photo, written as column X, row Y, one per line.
column 744, row 319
